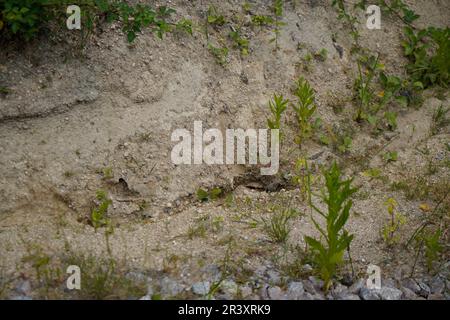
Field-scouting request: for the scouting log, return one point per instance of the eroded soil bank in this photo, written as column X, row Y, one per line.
column 75, row 122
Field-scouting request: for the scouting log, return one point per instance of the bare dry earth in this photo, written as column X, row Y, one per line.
column 67, row 119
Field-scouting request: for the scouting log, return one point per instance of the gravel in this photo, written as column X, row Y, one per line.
column 275, row 293
column 412, row 285
column 424, row 289
column 170, row 287
column 437, row 285
column 368, row 294
column 201, row 288
column 309, row 287
column 24, row 288
column 356, row 287
column 388, row 293
column 295, row 291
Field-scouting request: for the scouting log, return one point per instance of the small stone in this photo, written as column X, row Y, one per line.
column 347, row 296
column 368, row 294
column 309, row 287
column 221, row 296
column 24, row 288
column 339, row 291
column 338, row 288
column 388, row 293
column 146, row 297
column 21, row 298
column 347, row 280
column 274, row 277
column 229, row 287
column 318, row 296
column 259, row 272
column 437, row 285
column 436, row 296
column 295, row 291
column 317, row 283
column 408, row 294
column 275, row 293
column 307, row 268
column 245, row 291
column 212, row 272
column 412, row 285
column 170, row 287
column 201, row 288
column 307, row 296
column 263, row 292
column 389, row 283
column 424, row 289
column 357, row 286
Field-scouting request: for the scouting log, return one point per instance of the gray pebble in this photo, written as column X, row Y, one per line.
column 201, row 288
column 229, row 287
column 318, row 296
column 436, row 296
column 275, row 293
column 408, row 294
column 21, row 298
column 245, row 291
column 347, row 296
column 388, row 293
column 339, row 289
column 24, row 287
column 437, row 285
column 368, row 294
column 357, row 286
column 412, row 285
column 295, row 291
column 424, row 289
column 274, row 277
column 317, row 283
column 170, row 287
column 309, row 287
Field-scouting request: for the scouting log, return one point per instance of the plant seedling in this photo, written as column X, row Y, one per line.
column 98, row 214
column 396, row 220
column 321, row 55
column 328, row 252
column 214, row 18
column 439, row 119
column 278, row 12
column 277, row 106
column 221, row 54
column 390, row 156
column 346, row 145
column 391, row 119
column 277, row 227
column 239, row 41
column 213, row 194
column 304, row 108
column 433, row 247
column 261, row 20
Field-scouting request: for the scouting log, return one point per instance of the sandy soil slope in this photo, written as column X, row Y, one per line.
column 73, row 125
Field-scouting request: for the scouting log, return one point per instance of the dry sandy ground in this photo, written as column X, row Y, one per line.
column 68, row 118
